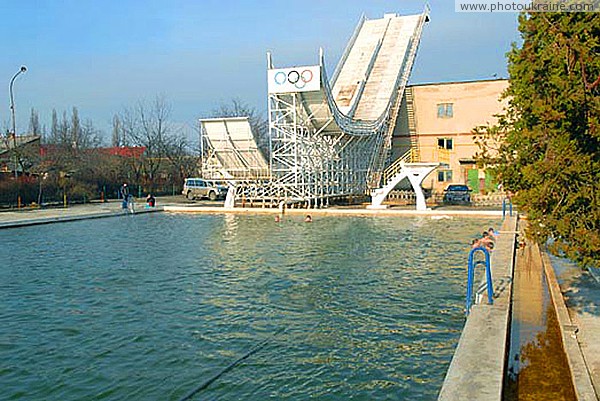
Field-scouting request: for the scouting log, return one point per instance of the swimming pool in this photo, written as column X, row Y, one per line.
column 151, row 306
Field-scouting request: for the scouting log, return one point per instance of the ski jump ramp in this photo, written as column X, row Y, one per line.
column 232, row 152
column 329, row 138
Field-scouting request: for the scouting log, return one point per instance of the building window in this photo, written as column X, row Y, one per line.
column 445, row 143
column 445, row 110
column 445, row 175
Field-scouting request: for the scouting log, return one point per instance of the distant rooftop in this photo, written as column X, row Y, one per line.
column 460, row 82
column 7, row 143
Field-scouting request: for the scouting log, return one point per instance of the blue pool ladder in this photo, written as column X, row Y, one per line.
column 471, row 275
column 507, row 203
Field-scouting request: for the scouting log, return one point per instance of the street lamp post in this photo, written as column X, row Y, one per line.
column 12, row 111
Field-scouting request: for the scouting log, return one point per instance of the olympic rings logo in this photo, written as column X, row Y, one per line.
column 298, row 79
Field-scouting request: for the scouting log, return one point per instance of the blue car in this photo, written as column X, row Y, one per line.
column 457, row 194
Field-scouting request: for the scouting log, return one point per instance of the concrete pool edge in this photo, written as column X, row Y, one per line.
column 580, row 373
column 25, row 222
column 93, row 211
column 477, row 367
column 334, row 211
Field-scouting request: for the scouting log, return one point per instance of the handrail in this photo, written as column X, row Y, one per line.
column 471, row 274
column 510, row 206
column 372, row 127
column 397, row 165
column 387, row 119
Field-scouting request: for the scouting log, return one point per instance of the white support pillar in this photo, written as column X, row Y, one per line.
column 415, row 181
column 230, row 198
column 416, row 174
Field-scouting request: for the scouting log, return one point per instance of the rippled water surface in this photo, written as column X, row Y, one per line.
column 149, row 307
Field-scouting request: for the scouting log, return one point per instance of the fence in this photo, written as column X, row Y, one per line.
column 408, row 198
column 28, row 191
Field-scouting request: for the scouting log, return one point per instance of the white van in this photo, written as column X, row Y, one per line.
column 198, row 188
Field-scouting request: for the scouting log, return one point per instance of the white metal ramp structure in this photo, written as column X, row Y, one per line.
column 231, row 151
column 403, row 167
column 332, row 138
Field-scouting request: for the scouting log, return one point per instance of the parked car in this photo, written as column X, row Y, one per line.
column 457, row 193
column 198, row 188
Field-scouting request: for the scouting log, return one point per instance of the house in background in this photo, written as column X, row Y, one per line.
column 436, row 121
column 27, row 146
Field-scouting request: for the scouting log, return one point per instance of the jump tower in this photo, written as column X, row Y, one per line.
column 328, row 137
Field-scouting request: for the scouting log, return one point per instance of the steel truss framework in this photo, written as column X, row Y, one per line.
column 318, row 153
column 315, row 165
column 313, row 160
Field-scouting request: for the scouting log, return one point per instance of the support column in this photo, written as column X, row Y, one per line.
column 416, row 174
column 230, row 198
column 415, row 181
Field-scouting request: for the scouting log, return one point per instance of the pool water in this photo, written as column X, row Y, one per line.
column 150, row 307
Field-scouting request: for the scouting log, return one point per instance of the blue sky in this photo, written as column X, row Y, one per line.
column 102, row 56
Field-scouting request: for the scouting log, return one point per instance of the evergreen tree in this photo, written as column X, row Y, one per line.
column 549, row 152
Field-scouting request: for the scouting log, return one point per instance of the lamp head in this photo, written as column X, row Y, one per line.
column 23, row 68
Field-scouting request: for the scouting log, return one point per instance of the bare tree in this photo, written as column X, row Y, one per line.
column 179, row 153
column 71, row 133
column 34, row 123
column 258, row 121
column 75, row 129
column 63, row 131
column 54, row 131
column 147, row 126
column 117, row 132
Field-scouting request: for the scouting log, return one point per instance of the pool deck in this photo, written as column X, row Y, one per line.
column 30, row 217
column 580, row 324
column 35, row 216
column 477, row 368
column 358, row 211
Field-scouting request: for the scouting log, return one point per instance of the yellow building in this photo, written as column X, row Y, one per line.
column 437, row 121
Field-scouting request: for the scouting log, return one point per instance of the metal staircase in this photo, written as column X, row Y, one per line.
column 396, row 167
column 403, row 168
column 412, row 125
column 380, row 158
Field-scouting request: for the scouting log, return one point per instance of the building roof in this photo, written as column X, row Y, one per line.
column 7, row 143
column 461, row 82
column 124, row 151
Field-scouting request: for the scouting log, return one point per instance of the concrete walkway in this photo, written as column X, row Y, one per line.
column 28, row 217
column 356, row 211
column 477, row 368
column 580, row 291
column 178, row 204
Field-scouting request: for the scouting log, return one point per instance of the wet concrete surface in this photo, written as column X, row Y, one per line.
column 581, row 291
column 537, row 365
column 477, row 367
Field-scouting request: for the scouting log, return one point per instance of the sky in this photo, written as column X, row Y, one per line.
column 104, row 56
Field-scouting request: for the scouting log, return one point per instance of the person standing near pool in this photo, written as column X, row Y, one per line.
column 125, row 194
column 151, row 200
